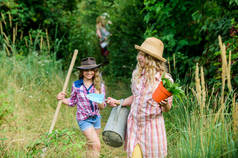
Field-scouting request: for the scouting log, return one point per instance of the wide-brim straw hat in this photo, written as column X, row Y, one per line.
column 153, row 47
column 88, row 63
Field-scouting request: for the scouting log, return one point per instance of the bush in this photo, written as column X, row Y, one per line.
column 190, row 30
column 127, row 30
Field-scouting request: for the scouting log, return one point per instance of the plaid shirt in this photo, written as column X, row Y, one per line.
column 145, row 125
column 85, row 107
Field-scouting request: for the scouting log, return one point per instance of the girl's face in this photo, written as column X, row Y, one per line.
column 141, row 59
column 88, row 74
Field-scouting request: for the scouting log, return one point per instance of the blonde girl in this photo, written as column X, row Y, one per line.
column 145, row 125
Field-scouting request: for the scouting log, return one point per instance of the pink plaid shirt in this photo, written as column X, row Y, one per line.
column 85, row 107
column 145, row 124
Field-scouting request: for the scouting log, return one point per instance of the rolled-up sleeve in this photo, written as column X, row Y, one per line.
column 103, row 91
column 73, row 97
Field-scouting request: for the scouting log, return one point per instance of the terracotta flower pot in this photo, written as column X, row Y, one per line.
column 161, row 93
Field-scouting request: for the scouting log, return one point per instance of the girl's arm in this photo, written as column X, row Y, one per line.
column 72, row 101
column 114, row 102
column 102, row 105
column 98, row 31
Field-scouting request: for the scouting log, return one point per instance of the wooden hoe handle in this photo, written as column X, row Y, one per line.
column 64, row 89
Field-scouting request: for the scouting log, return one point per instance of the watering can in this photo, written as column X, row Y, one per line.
column 115, row 129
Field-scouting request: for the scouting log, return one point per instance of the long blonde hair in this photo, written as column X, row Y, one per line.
column 97, row 79
column 100, row 21
column 151, row 67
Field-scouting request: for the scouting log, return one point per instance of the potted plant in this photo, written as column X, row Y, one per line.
column 165, row 89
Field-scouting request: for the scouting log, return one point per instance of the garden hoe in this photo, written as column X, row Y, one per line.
column 60, row 102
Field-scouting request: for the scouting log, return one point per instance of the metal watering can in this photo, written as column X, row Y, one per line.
column 115, row 129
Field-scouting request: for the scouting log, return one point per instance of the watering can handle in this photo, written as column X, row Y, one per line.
column 118, row 110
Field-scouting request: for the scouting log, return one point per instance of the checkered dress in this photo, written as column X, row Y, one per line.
column 85, row 107
column 145, row 124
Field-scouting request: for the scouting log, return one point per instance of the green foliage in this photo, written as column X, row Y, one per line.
column 173, row 88
column 52, row 27
column 61, row 141
column 24, row 27
column 211, row 58
column 189, row 29
column 127, row 30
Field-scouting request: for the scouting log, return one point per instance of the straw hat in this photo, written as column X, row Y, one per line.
column 88, row 63
column 153, row 47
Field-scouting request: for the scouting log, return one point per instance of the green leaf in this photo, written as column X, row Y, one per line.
column 173, row 88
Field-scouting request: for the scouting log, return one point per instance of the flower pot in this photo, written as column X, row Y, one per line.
column 161, row 93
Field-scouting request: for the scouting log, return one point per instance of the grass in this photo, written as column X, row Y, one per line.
column 191, row 134
column 29, row 86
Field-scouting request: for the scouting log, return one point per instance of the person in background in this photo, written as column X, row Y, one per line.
column 88, row 116
column 145, row 125
column 103, row 35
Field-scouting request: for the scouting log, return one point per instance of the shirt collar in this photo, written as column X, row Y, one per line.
column 78, row 83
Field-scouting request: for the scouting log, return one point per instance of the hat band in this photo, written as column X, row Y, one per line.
column 88, row 65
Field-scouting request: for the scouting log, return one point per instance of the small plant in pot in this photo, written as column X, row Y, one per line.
column 165, row 89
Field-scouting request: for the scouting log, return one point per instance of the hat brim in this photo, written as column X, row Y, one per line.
column 150, row 53
column 88, row 67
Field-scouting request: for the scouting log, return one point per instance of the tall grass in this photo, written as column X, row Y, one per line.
column 191, row 134
column 203, row 125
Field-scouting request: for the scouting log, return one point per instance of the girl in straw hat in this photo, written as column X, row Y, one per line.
column 88, row 116
column 145, row 126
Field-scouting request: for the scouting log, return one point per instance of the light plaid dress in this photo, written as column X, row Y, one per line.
column 145, row 124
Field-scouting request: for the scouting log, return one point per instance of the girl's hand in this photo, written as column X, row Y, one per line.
column 61, row 96
column 164, row 102
column 96, row 91
column 165, row 105
column 112, row 102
